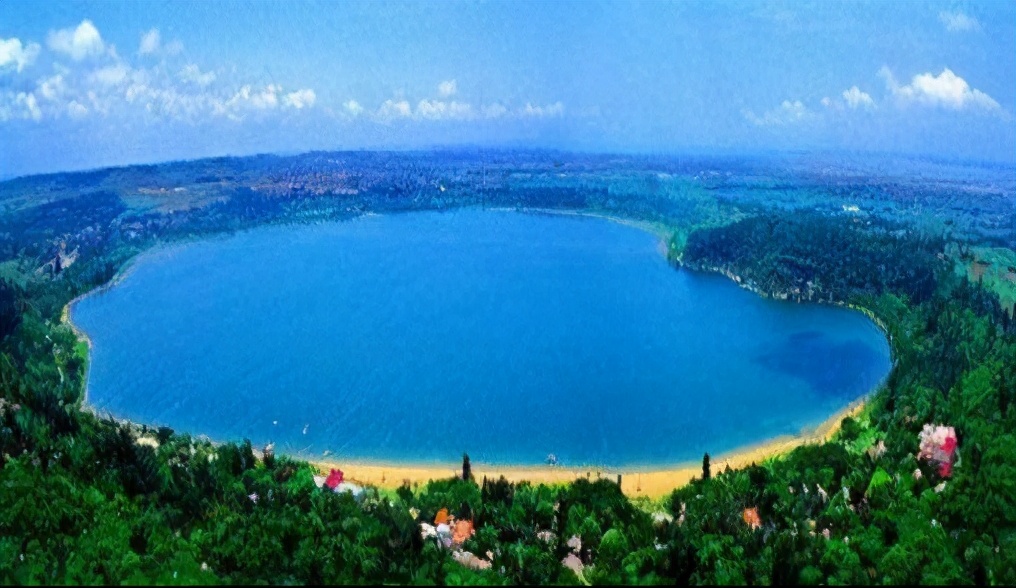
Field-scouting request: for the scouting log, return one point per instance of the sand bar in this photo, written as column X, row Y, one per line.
column 651, row 483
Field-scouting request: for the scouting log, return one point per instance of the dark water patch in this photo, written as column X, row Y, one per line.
column 832, row 368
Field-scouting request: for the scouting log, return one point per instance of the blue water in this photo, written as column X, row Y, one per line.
column 509, row 336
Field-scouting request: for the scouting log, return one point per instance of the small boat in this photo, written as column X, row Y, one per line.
column 551, row 459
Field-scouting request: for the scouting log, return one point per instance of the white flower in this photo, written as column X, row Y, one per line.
column 575, row 543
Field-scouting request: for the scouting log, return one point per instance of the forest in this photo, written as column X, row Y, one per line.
column 920, row 487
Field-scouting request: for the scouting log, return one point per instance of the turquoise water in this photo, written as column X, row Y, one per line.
column 509, row 336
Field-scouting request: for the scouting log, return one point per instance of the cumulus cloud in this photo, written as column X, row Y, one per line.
column 14, row 54
column 353, row 107
column 437, row 110
column 958, row 22
column 110, row 75
column 392, row 109
column 304, row 98
column 264, row 99
column 52, row 87
column 116, row 86
column 447, row 88
column 946, row 90
column 855, row 98
column 555, row 109
column 192, row 74
column 787, row 113
column 78, row 43
column 150, row 42
column 23, row 105
column 76, row 110
column 454, row 110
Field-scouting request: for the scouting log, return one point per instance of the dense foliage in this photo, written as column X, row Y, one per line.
column 788, row 254
column 87, row 499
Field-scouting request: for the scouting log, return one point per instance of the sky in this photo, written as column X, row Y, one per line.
column 87, row 84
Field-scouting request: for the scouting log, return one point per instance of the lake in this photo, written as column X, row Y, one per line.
column 417, row 337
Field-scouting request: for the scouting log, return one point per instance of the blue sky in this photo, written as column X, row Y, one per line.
column 88, row 84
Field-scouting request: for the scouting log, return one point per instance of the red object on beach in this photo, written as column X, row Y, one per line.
column 334, row 479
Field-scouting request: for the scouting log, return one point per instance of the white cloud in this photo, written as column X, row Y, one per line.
column 946, row 90
column 438, row 110
column 353, row 107
column 30, row 106
column 192, row 73
column 447, row 88
column 265, row 99
column 304, row 98
column 110, row 75
column 555, row 109
column 787, row 113
column 76, row 110
column 19, row 105
column 79, row 43
column 246, row 98
column 433, row 109
column 115, row 86
column 150, row 42
column 51, row 88
column 856, row 98
column 13, row 53
column 958, row 22
column 392, row 110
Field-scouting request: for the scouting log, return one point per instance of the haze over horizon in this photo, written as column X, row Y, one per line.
column 87, row 84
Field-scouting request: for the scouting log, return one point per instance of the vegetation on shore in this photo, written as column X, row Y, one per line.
column 91, row 500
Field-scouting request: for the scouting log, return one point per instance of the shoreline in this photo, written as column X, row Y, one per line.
column 649, row 482
column 655, row 228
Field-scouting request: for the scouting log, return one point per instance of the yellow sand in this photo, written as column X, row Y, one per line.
column 650, row 483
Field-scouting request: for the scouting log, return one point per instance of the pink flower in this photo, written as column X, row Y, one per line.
column 945, row 469
column 573, row 563
column 334, row 479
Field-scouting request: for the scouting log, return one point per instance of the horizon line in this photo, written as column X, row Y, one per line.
column 689, row 153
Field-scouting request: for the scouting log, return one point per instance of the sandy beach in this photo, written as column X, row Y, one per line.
column 650, row 483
